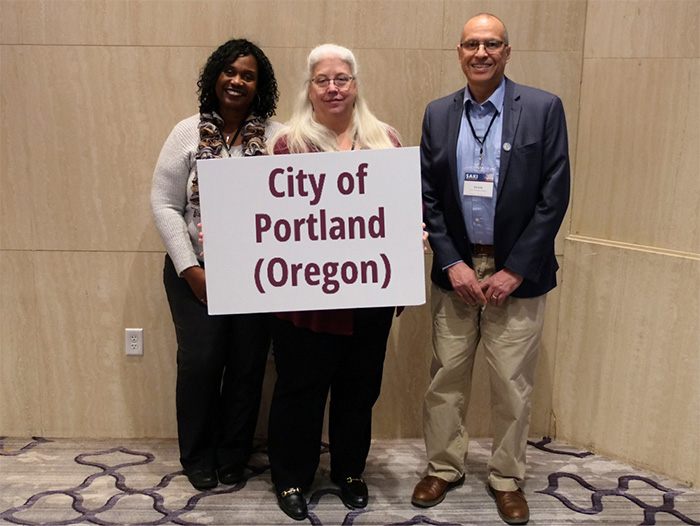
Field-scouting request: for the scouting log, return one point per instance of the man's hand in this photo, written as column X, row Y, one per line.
column 499, row 286
column 465, row 284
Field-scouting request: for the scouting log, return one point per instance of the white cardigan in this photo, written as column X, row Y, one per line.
column 171, row 191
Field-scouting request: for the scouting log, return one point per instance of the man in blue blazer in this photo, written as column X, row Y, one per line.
column 495, row 171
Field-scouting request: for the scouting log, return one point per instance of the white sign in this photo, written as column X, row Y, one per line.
column 312, row 231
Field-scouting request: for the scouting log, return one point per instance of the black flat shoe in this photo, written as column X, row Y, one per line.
column 293, row 503
column 353, row 491
column 202, row 479
column 230, row 474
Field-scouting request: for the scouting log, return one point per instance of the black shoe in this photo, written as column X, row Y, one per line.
column 202, row 479
column 293, row 503
column 353, row 491
column 230, row 474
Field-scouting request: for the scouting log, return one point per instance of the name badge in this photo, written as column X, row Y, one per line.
column 478, row 183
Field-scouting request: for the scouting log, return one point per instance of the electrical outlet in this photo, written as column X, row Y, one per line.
column 134, row 342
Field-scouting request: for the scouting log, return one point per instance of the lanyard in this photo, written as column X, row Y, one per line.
column 482, row 140
column 228, row 144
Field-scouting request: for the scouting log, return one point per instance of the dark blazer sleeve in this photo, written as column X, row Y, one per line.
column 534, row 194
column 442, row 210
column 433, row 194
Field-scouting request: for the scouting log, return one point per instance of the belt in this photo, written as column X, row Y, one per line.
column 482, row 250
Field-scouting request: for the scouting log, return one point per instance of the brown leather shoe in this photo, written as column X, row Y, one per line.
column 512, row 506
column 430, row 491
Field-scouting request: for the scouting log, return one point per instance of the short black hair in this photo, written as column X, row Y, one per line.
column 265, row 101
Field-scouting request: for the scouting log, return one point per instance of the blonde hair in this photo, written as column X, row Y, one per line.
column 304, row 133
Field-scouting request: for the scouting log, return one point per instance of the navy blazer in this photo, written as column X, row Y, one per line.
column 533, row 187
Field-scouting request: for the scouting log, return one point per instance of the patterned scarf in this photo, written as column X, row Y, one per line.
column 211, row 142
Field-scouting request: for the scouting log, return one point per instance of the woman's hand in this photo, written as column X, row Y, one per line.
column 196, row 279
column 201, row 238
column 425, row 238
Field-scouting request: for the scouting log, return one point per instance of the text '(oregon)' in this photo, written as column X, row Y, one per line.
column 322, row 226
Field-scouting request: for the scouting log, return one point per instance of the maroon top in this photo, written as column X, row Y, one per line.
column 334, row 321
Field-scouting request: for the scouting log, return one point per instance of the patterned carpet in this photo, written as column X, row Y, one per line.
column 115, row 482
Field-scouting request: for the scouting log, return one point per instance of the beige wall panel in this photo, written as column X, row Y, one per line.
column 20, row 382
column 542, row 422
column 628, row 356
column 415, row 24
column 398, row 85
column 65, row 21
column 88, row 145
column 119, row 22
column 206, row 23
column 89, row 386
column 399, row 410
column 10, row 26
column 16, row 194
column 533, row 25
column 287, row 23
column 638, row 156
column 642, row 28
column 289, row 65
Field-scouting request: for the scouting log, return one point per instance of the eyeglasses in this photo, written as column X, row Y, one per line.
column 490, row 46
column 340, row 81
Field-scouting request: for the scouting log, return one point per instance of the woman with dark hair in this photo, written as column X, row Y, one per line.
column 220, row 359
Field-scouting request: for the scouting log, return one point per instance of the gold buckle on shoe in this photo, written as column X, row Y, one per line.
column 350, row 480
column 290, row 491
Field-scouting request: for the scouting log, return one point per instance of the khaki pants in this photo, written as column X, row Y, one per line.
column 511, row 337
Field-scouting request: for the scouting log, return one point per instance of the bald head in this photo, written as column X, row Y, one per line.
column 483, row 54
column 492, row 18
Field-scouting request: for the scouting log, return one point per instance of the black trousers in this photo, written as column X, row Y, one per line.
column 309, row 366
column 220, row 369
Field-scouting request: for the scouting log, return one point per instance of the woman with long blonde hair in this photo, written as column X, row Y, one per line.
column 340, row 352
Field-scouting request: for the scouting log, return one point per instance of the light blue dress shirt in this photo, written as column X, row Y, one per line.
column 479, row 212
